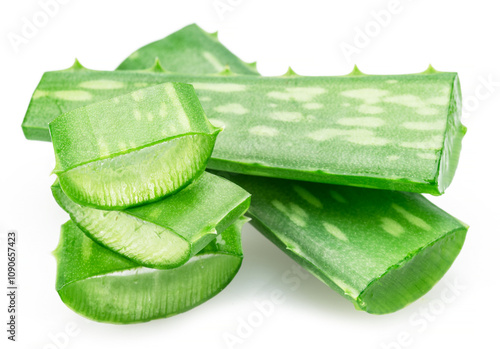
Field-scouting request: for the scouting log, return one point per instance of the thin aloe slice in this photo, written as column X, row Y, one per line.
column 190, row 50
column 134, row 148
column 104, row 286
column 399, row 132
column 380, row 249
column 166, row 233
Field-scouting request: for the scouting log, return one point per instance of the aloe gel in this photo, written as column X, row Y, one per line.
column 134, row 148
column 167, row 233
column 104, row 286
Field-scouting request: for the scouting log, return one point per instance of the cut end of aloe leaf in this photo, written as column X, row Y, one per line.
column 119, row 297
column 379, row 249
column 164, row 234
column 140, row 176
column 143, row 242
column 105, row 287
column 453, row 140
column 151, row 143
column 413, row 277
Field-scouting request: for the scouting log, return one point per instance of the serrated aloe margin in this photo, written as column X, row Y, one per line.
column 106, row 287
column 380, row 249
column 189, row 50
column 98, row 147
column 398, row 132
column 166, row 233
column 293, row 215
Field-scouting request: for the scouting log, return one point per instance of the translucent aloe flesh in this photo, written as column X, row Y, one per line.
column 189, row 50
column 104, row 286
column 399, row 132
column 166, row 233
column 380, row 249
column 133, row 148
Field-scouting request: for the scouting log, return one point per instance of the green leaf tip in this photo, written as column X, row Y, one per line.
column 253, row 65
column 157, row 67
column 214, row 35
column 430, row 70
column 290, row 73
column 242, row 221
column 226, row 71
column 55, row 252
column 76, row 66
column 58, row 250
column 356, row 72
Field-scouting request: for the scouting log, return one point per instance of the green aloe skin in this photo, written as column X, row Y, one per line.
column 380, row 249
column 189, row 50
column 167, row 233
column 399, row 132
column 131, row 149
column 104, row 286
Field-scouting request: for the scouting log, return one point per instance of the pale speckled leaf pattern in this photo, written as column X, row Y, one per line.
column 296, row 215
column 380, row 249
column 104, row 286
column 399, row 132
column 166, row 233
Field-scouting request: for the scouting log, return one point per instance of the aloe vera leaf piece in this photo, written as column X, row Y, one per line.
column 379, row 288
column 399, row 132
column 104, row 286
column 190, row 50
column 166, row 233
column 134, row 148
column 380, row 249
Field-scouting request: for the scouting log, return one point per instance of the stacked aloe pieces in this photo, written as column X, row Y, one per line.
column 335, row 167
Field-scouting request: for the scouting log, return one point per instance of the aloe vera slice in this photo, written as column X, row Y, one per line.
column 399, row 132
column 190, row 50
column 134, row 148
column 104, row 286
column 166, row 233
column 380, row 249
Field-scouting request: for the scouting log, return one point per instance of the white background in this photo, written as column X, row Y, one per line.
column 453, row 35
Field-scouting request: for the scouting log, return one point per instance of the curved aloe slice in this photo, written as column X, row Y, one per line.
column 399, row 132
column 166, row 233
column 380, row 249
column 189, row 50
column 134, row 148
column 104, row 286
